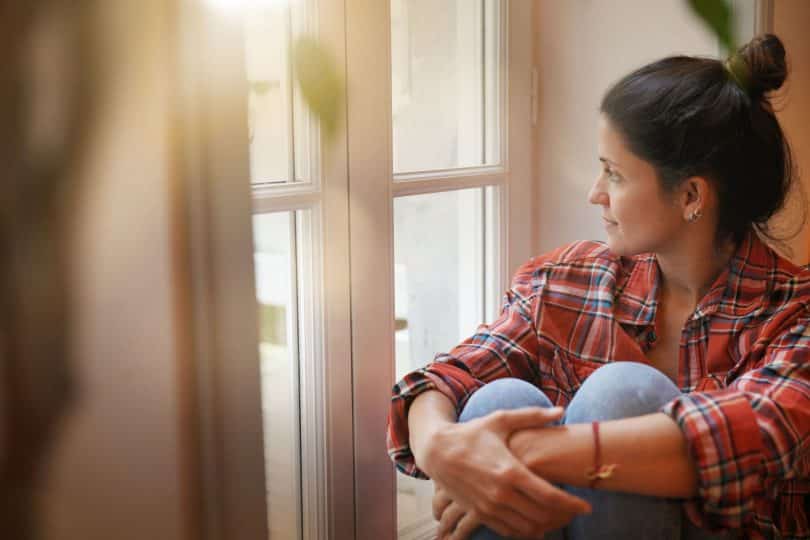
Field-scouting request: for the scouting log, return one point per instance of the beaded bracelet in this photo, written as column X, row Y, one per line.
column 599, row 471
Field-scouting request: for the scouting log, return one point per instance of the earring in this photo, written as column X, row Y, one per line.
column 694, row 216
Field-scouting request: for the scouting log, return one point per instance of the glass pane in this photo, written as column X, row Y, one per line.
column 275, row 256
column 278, row 124
column 445, row 66
column 440, row 298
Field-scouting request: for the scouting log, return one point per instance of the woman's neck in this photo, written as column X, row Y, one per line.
column 688, row 270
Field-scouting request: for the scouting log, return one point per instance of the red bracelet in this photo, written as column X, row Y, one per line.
column 599, row 471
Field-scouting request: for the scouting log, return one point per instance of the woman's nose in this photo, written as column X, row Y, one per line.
column 597, row 195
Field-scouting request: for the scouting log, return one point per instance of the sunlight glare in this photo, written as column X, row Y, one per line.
column 235, row 6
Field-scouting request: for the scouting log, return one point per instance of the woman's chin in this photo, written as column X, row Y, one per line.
column 616, row 245
column 615, row 249
column 613, row 242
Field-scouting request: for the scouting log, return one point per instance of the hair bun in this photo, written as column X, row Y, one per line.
column 764, row 63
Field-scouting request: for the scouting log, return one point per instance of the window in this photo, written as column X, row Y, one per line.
column 287, row 205
column 352, row 236
column 446, row 105
column 277, row 291
column 439, row 173
column 443, row 291
column 445, row 83
column 280, row 130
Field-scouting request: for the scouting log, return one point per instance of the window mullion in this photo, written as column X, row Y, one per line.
column 301, row 201
column 439, row 185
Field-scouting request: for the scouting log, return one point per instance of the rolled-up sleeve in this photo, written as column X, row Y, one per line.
column 750, row 436
column 506, row 348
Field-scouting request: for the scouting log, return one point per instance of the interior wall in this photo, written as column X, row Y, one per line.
column 116, row 472
column 791, row 19
column 580, row 48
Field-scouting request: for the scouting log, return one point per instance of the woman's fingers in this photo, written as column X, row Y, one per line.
column 465, row 527
column 440, row 501
column 450, row 518
column 503, row 519
column 537, row 501
column 536, row 517
column 527, row 418
column 511, row 524
column 503, row 504
column 548, row 495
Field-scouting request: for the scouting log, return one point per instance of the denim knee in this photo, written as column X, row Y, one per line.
column 620, row 390
column 498, row 395
column 502, row 394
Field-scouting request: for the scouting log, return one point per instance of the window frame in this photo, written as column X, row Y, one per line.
column 350, row 480
column 371, row 159
column 220, row 200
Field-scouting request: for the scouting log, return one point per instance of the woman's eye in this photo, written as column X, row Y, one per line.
column 612, row 176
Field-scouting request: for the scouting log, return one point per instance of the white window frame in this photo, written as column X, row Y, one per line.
column 349, row 484
column 221, row 201
column 370, row 164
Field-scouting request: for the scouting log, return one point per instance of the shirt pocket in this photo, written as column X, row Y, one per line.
column 711, row 382
column 571, row 371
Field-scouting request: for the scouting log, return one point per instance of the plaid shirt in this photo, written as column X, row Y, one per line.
column 743, row 369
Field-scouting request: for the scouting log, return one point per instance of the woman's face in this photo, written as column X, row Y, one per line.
column 637, row 213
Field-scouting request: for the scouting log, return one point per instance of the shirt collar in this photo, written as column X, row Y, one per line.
column 739, row 290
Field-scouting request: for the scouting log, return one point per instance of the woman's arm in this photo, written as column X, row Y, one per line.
column 650, row 451
column 429, row 413
column 507, row 347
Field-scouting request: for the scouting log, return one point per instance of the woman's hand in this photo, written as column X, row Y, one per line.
column 455, row 523
column 473, row 465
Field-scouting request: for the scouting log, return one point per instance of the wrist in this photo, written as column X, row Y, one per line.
column 527, row 446
column 554, row 452
column 428, row 444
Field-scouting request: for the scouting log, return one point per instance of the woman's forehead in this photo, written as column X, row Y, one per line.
column 612, row 147
column 614, row 150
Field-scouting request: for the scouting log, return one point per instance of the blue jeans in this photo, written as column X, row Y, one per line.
column 617, row 390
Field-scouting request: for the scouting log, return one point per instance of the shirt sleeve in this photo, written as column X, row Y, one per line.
column 506, row 348
column 747, row 438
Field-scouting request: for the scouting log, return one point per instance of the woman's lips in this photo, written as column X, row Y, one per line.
column 609, row 223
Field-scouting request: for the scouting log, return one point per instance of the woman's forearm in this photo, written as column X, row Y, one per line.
column 650, row 451
column 428, row 413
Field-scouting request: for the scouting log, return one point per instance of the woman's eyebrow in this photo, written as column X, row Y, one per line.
column 609, row 162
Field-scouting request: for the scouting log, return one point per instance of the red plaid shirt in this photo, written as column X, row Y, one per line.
column 743, row 369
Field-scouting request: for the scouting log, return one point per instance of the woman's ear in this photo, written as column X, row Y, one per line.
column 694, row 197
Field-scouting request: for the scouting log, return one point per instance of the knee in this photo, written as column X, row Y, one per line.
column 503, row 394
column 620, row 390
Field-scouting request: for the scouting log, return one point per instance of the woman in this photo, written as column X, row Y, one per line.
column 678, row 349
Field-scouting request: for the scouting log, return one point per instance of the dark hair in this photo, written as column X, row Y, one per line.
column 691, row 116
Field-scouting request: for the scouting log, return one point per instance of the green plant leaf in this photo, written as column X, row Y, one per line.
column 718, row 15
column 319, row 80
